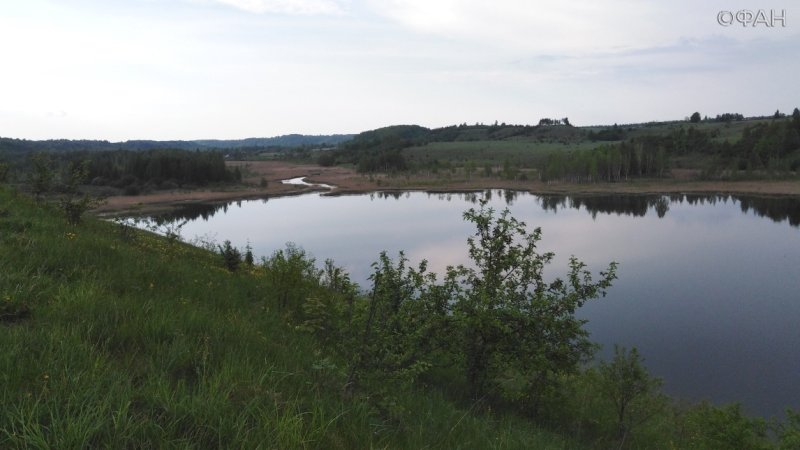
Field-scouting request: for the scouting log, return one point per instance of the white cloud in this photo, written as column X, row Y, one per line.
column 292, row 7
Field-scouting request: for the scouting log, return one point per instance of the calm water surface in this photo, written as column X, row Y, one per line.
column 708, row 288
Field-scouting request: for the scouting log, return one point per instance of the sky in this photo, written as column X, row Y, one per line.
column 231, row 69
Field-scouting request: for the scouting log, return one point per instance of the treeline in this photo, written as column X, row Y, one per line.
column 503, row 131
column 158, row 168
column 11, row 145
column 772, row 147
column 284, row 141
column 638, row 158
column 728, row 117
column 614, row 133
column 132, row 171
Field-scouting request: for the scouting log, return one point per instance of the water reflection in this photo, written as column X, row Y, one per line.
column 190, row 212
column 778, row 209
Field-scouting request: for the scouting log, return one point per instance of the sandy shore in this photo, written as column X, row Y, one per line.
column 347, row 181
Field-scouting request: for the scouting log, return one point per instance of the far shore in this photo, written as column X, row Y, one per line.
column 348, row 181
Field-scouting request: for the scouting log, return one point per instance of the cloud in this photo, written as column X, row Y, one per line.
column 521, row 24
column 56, row 114
column 291, row 7
column 575, row 27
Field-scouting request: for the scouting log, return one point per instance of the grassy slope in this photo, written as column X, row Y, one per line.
column 111, row 340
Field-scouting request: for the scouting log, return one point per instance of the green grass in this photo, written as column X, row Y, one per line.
column 526, row 153
column 123, row 339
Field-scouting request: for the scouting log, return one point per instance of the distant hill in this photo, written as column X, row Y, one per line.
column 287, row 140
column 725, row 147
column 383, row 149
column 11, row 145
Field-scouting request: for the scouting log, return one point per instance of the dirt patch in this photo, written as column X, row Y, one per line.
column 11, row 313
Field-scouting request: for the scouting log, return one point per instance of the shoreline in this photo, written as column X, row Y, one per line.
column 348, row 182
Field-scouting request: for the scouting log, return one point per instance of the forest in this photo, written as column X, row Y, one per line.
column 131, row 171
column 766, row 148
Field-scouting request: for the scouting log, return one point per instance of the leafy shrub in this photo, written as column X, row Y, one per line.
column 712, row 427
column 292, row 274
column 789, row 431
column 395, row 334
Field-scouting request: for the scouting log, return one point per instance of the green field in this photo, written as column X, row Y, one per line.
column 523, row 153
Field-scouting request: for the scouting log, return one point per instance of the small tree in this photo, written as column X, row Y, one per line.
column 248, row 255
column 42, row 174
column 74, row 203
column 627, row 384
column 796, row 119
column 469, row 168
column 231, row 256
column 695, row 118
column 510, row 319
column 487, row 170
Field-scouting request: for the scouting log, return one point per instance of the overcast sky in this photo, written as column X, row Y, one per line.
column 228, row 69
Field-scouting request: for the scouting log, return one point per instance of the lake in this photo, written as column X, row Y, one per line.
column 708, row 288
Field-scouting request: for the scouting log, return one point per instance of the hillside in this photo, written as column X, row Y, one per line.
column 11, row 148
column 116, row 338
